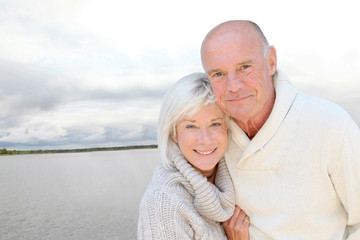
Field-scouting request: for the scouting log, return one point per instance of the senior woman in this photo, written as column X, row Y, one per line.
column 191, row 192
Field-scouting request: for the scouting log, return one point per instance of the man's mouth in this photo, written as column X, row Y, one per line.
column 238, row 99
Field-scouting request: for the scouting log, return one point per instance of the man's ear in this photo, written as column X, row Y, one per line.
column 272, row 60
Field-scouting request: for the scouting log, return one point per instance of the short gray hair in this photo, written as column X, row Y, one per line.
column 184, row 99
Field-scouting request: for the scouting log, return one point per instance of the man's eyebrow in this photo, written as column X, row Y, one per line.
column 244, row 62
column 238, row 64
column 213, row 71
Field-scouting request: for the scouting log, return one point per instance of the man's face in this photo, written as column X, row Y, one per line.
column 239, row 73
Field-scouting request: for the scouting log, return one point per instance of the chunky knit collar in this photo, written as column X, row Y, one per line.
column 214, row 202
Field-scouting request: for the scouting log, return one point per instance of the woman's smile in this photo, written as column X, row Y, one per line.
column 208, row 152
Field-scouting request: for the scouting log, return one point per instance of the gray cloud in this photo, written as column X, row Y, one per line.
column 130, row 94
column 28, row 89
column 75, row 138
column 30, row 85
column 25, row 90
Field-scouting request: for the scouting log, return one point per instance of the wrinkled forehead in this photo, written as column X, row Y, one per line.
column 227, row 36
column 229, row 49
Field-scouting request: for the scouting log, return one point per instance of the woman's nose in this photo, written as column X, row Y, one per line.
column 204, row 135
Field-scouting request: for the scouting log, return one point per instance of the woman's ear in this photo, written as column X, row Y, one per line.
column 174, row 139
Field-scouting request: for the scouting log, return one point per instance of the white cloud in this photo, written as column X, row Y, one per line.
column 93, row 73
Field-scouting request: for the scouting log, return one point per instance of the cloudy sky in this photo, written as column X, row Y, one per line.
column 92, row 73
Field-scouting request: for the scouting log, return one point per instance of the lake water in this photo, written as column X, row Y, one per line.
column 92, row 195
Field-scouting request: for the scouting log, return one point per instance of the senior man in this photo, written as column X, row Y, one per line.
column 294, row 158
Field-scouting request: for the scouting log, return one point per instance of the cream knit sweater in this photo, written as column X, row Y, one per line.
column 299, row 177
column 182, row 204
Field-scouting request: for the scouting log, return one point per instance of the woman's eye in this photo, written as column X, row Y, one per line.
column 190, row 126
column 216, row 124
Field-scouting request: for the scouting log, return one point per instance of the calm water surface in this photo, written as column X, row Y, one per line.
column 79, row 196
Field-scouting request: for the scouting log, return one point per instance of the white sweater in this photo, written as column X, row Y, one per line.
column 182, row 204
column 299, row 177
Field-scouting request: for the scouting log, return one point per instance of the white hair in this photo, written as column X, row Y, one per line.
column 184, row 99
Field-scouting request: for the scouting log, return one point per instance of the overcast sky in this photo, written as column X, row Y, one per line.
column 82, row 73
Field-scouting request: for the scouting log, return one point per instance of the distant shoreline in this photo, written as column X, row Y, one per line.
column 96, row 149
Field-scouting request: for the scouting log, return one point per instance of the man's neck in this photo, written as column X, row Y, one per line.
column 252, row 126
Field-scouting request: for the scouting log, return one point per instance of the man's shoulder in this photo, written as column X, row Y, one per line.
column 320, row 113
column 320, row 107
column 309, row 104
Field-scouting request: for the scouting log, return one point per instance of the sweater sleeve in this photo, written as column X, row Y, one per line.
column 165, row 217
column 346, row 178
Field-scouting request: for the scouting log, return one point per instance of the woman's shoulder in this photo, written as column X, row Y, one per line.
column 165, row 198
column 167, row 208
column 168, row 185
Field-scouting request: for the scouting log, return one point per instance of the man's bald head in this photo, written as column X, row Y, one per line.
column 244, row 27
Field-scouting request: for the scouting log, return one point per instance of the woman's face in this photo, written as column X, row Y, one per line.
column 203, row 139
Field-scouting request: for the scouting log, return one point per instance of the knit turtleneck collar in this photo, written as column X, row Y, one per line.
column 214, row 202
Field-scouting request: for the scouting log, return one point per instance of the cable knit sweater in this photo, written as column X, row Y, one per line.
column 182, row 204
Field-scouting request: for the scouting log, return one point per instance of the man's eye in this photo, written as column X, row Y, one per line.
column 245, row 67
column 218, row 74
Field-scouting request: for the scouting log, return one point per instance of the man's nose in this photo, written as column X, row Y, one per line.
column 234, row 81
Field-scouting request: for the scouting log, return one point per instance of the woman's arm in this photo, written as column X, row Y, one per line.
column 162, row 217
